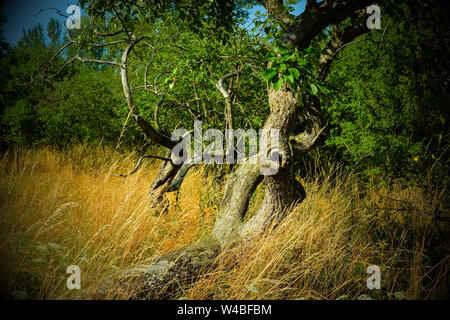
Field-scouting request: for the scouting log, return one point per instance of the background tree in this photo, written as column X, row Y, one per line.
column 388, row 110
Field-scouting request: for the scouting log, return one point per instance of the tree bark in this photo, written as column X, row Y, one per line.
column 165, row 278
column 171, row 273
column 282, row 189
column 298, row 122
column 160, row 185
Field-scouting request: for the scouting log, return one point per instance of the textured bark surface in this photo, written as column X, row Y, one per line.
column 282, row 189
column 298, row 122
column 317, row 17
column 282, row 192
column 160, row 185
column 173, row 272
column 165, row 278
column 239, row 188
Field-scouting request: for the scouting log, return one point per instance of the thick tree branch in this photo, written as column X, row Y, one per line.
column 167, row 171
column 310, row 4
column 143, row 125
column 275, row 8
column 340, row 39
column 181, row 173
column 306, row 141
column 310, row 23
column 311, row 133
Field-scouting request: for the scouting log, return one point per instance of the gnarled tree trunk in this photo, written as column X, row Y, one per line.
column 171, row 273
column 161, row 183
column 298, row 122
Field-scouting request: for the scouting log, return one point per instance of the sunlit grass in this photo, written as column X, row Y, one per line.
column 67, row 208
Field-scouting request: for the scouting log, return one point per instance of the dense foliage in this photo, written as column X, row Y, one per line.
column 386, row 97
column 389, row 106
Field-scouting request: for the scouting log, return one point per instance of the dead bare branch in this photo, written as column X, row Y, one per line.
column 139, row 163
column 98, row 61
column 55, row 55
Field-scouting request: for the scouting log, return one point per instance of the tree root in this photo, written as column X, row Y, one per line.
column 165, row 278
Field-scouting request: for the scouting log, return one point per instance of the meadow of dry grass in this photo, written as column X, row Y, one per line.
column 67, row 208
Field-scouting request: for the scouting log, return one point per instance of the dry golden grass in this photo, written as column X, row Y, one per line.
column 67, row 208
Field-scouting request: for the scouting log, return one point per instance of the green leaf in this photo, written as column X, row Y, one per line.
column 294, row 72
column 277, row 83
column 323, row 89
column 308, row 50
column 289, row 77
column 269, row 74
column 54, row 246
column 302, row 62
column 41, row 248
column 271, row 58
column 314, row 89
